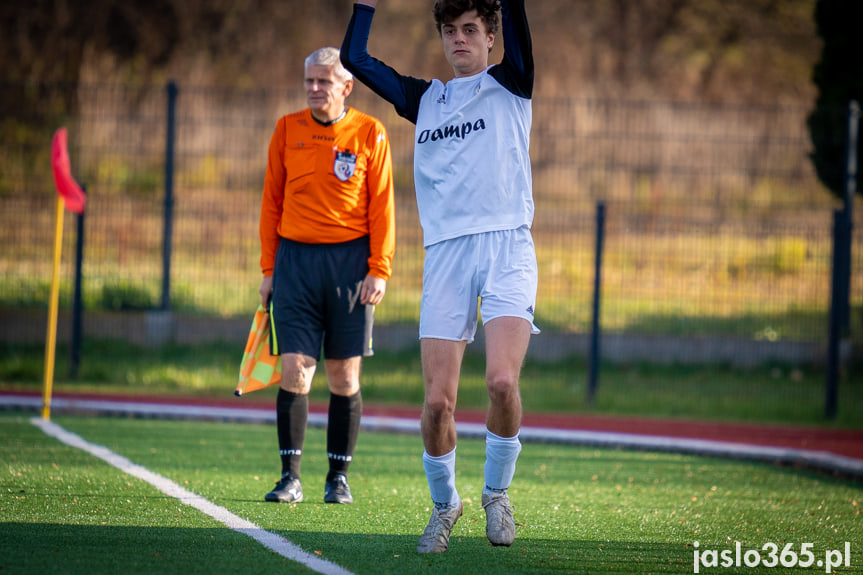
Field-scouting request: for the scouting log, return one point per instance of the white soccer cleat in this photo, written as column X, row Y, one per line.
column 499, row 524
column 435, row 538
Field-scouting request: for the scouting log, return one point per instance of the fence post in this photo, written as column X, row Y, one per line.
column 167, row 235
column 839, row 322
column 593, row 374
column 848, row 214
column 851, row 167
column 77, row 303
column 835, row 321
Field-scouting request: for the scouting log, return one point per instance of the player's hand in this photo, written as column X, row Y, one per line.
column 266, row 292
column 373, row 290
column 369, row 3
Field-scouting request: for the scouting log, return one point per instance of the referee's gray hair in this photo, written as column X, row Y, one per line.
column 329, row 57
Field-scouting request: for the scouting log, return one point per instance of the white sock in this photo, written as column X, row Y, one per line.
column 440, row 472
column 501, row 454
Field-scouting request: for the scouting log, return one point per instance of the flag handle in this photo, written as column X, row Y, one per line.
column 51, row 339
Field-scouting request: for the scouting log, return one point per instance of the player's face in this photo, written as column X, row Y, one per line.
column 325, row 93
column 466, row 44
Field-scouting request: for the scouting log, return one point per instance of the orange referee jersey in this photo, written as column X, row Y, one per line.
column 329, row 184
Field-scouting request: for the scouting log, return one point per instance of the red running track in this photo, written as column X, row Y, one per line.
column 844, row 442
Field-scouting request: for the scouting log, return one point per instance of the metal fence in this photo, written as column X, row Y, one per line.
column 716, row 228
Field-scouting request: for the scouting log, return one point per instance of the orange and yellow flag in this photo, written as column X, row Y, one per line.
column 259, row 369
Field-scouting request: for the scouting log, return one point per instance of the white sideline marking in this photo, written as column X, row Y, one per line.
column 820, row 460
column 269, row 540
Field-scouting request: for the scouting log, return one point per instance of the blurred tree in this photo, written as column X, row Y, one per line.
column 754, row 51
column 44, row 43
column 758, row 51
column 839, row 79
column 45, row 40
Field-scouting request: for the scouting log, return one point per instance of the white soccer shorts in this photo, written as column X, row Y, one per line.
column 497, row 268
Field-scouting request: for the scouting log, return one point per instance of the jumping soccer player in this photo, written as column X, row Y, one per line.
column 475, row 200
column 327, row 242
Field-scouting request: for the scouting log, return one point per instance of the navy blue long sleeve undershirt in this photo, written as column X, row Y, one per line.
column 515, row 72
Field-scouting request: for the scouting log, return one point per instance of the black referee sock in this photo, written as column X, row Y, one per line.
column 292, row 415
column 343, row 428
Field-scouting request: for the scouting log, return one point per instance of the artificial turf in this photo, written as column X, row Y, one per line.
column 578, row 510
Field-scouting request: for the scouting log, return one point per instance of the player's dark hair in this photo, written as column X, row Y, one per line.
column 446, row 11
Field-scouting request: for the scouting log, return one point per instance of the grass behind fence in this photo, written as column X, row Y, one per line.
column 721, row 281
column 716, row 222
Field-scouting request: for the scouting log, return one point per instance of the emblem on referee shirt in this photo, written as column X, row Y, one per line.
column 344, row 165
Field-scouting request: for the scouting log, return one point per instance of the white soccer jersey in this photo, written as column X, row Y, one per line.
column 471, row 156
column 471, row 159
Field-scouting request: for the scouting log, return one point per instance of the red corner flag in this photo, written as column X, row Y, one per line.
column 67, row 187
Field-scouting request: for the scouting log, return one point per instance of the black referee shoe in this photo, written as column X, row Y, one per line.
column 288, row 490
column 337, row 490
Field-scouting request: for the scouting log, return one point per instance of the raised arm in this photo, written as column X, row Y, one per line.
column 402, row 92
column 516, row 71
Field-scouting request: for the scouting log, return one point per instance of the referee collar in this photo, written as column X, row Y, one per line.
column 333, row 121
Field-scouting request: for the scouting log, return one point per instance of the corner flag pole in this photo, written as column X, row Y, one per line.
column 53, row 305
column 69, row 195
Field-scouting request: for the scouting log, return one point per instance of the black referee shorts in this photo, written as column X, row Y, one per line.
column 316, row 300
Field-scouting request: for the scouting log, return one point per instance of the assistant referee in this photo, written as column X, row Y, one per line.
column 327, row 233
